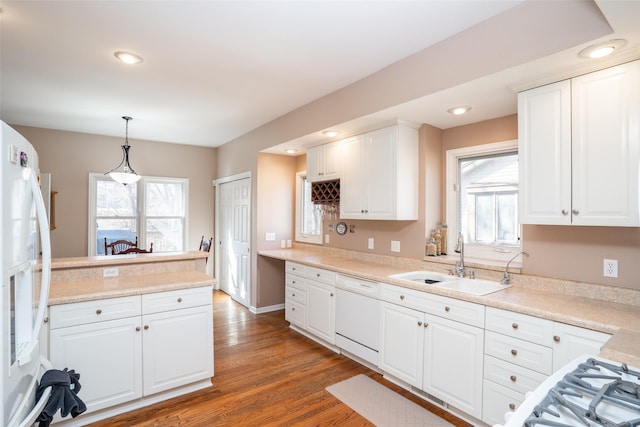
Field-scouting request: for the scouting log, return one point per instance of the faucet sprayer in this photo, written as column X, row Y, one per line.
column 507, row 277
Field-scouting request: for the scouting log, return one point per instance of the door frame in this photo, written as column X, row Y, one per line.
column 216, row 183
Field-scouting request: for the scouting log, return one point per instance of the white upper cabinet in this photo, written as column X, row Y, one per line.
column 380, row 175
column 579, row 149
column 323, row 162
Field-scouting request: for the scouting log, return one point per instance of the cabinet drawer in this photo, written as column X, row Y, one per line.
column 295, row 268
column 497, row 401
column 320, row 275
column 520, row 326
column 523, row 353
column 175, row 300
column 360, row 286
column 80, row 313
column 511, row 376
column 449, row 308
column 296, row 313
column 296, row 294
column 295, row 281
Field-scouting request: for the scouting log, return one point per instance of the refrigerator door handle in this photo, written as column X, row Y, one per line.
column 45, row 241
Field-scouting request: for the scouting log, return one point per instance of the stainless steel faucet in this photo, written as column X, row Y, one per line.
column 507, row 277
column 460, row 249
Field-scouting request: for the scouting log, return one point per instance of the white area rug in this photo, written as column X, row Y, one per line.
column 382, row 406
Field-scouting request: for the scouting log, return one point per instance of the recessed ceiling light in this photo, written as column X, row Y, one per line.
column 290, row 151
column 128, row 57
column 330, row 133
column 601, row 50
column 458, row 110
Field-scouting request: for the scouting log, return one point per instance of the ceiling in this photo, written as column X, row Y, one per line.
column 215, row 70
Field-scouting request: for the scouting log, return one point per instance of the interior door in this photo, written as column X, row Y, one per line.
column 235, row 219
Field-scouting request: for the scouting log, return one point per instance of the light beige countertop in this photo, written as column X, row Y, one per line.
column 82, row 279
column 622, row 320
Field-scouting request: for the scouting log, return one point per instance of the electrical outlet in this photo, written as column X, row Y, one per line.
column 610, row 268
column 326, row 238
column 395, row 246
column 370, row 245
column 283, row 244
column 288, row 243
column 110, row 272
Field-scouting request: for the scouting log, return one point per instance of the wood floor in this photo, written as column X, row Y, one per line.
column 265, row 375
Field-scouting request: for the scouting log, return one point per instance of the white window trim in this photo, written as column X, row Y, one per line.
column 142, row 233
column 451, row 193
column 299, row 236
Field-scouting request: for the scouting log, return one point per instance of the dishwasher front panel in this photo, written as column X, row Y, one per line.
column 357, row 318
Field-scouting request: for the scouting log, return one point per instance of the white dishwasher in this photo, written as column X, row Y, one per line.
column 357, row 317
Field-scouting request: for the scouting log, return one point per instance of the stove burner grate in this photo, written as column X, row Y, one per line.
column 591, row 395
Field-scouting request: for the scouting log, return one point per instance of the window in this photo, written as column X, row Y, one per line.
column 482, row 199
column 308, row 218
column 153, row 209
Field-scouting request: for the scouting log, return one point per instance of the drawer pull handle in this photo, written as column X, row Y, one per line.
column 512, row 378
column 514, row 352
column 179, row 299
column 146, row 327
column 401, row 296
column 512, row 406
column 556, row 338
column 137, row 328
column 98, row 311
column 514, row 325
column 447, row 309
column 419, row 323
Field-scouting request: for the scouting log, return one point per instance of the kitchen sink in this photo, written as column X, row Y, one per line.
column 468, row 286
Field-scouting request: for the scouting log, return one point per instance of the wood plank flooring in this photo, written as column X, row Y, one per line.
column 265, row 375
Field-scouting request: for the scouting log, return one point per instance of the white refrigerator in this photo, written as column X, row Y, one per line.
column 25, row 258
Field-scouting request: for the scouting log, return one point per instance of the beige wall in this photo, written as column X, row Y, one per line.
column 71, row 156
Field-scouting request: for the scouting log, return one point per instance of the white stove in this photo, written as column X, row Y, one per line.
column 589, row 391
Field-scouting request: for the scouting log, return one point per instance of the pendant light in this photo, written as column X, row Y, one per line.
column 126, row 175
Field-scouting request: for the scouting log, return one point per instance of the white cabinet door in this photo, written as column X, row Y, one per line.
column 108, row 357
column 379, row 177
column 402, row 343
column 571, row 341
column 453, row 354
column 579, row 149
column 606, row 146
column 175, row 351
column 323, row 162
column 321, row 307
column 544, row 151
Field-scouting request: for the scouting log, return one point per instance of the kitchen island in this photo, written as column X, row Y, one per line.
column 138, row 328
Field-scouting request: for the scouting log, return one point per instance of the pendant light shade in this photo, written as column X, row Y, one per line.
column 126, row 175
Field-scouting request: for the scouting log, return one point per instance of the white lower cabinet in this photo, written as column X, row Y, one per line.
column 131, row 347
column 453, row 363
column 321, row 307
column 402, row 343
column 439, row 353
column 571, row 341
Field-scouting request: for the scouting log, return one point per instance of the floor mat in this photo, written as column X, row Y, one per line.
column 382, row 406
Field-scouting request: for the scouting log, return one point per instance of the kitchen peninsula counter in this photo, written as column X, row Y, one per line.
column 590, row 306
column 82, row 278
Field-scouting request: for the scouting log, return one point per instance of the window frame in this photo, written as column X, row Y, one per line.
column 452, row 157
column 141, row 217
column 299, row 235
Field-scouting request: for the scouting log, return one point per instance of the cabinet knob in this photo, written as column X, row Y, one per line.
column 366, row 211
column 331, row 293
column 512, row 378
column 98, row 311
column 565, row 212
column 293, row 309
column 575, row 211
column 419, row 323
column 447, row 309
column 514, row 352
column 556, row 338
column 146, row 327
column 401, row 296
column 293, row 295
column 179, row 299
column 426, row 324
column 512, row 406
column 317, row 274
column 45, row 320
column 514, row 325
column 137, row 328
